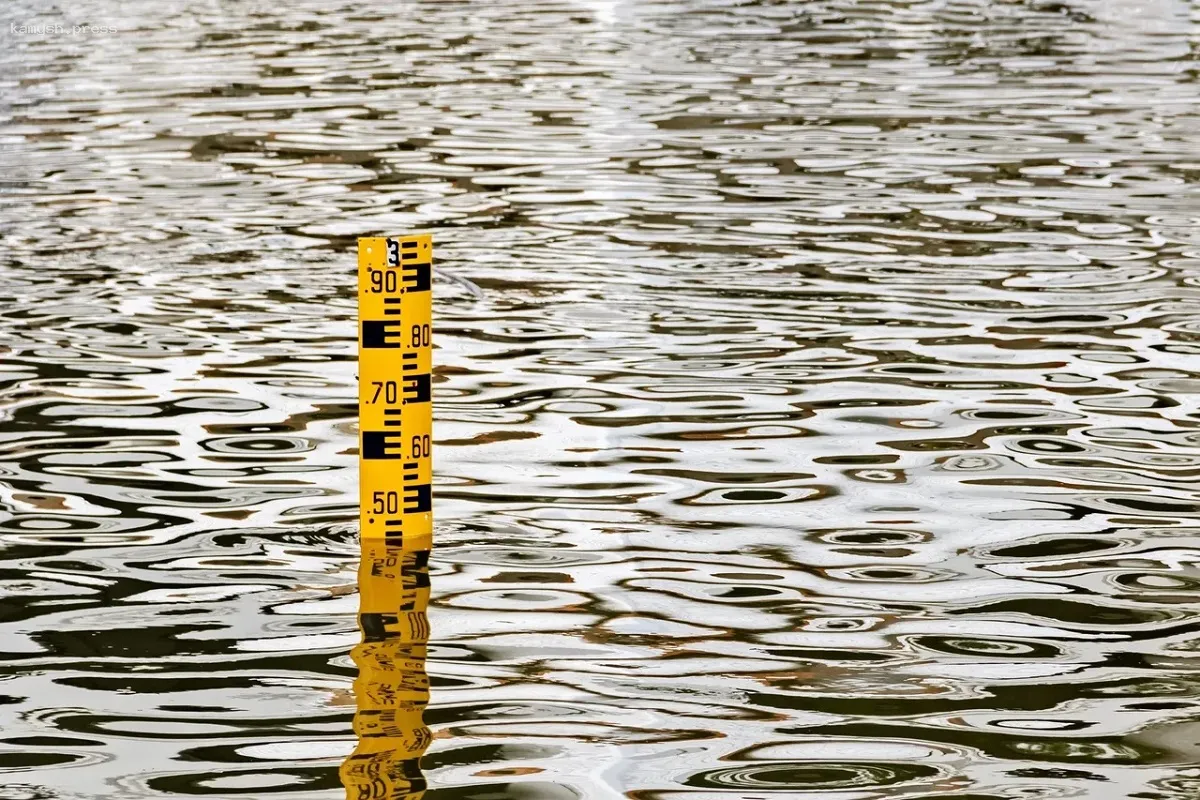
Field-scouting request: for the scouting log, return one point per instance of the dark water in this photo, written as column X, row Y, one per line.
column 827, row 426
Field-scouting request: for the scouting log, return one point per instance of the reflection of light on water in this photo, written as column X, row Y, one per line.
column 392, row 689
column 830, row 397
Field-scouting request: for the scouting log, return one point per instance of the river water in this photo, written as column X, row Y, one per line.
column 816, row 412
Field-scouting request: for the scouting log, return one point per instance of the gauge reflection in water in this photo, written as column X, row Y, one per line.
column 392, row 689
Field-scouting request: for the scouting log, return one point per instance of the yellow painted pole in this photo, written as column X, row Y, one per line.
column 395, row 385
column 395, row 421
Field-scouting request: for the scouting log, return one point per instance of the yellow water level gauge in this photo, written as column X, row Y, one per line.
column 395, row 386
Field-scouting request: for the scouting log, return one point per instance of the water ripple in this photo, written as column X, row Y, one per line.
column 815, row 396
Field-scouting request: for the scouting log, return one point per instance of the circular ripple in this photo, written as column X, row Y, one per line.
column 756, row 496
column 811, row 777
column 258, row 445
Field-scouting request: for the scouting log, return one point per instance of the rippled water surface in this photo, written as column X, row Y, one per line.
column 824, row 424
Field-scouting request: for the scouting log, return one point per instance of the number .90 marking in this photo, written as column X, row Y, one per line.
column 383, row 281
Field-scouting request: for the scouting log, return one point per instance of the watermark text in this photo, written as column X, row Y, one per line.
column 58, row 29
